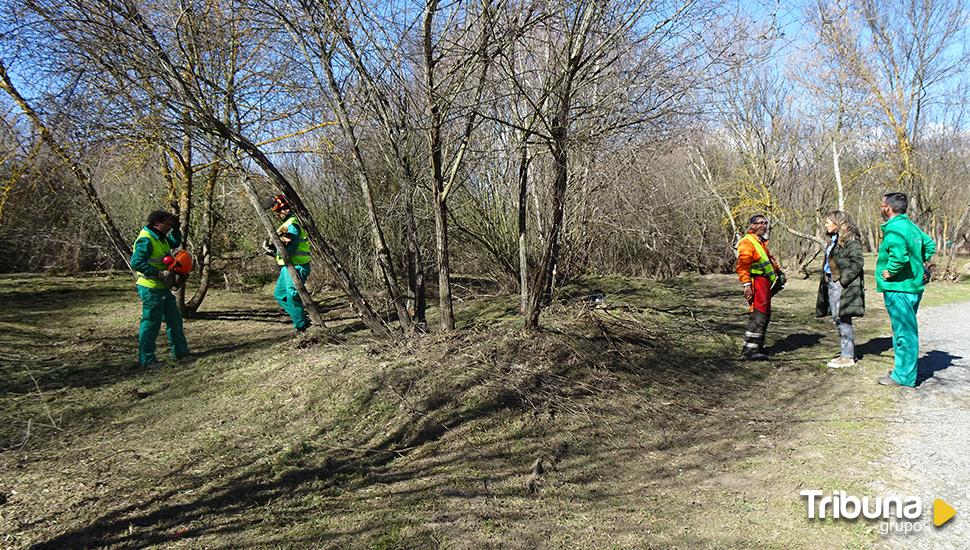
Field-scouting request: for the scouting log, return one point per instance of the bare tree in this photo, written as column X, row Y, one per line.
column 80, row 173
column 445, row 77
column 136, row 48
column 317, row 30
column 592, row 70
column 904, row 54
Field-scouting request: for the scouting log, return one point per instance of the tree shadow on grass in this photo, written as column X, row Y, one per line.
column 258, row 314
column 221, row 508
column 115, row 360
column 255, row 315
column 679, row 394
column 56, row 334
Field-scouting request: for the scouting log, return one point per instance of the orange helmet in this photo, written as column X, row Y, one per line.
column 276, row 203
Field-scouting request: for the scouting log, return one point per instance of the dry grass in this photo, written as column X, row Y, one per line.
column 650, row 434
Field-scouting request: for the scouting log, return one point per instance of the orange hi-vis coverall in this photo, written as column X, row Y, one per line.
column 758, row 268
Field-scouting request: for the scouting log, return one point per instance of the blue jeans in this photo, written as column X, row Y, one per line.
column 842, row 324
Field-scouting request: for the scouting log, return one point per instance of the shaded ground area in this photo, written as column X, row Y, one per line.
column 630, row 426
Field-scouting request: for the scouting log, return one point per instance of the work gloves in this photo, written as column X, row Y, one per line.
column 269, row 248
column 170, row 278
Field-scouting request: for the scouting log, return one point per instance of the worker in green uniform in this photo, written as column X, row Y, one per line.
column 297, row 244
column 155, row 241
column 899, row 276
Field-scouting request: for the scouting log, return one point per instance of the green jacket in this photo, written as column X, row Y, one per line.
column 847, row 263
column 143, row 250
column 902, row 253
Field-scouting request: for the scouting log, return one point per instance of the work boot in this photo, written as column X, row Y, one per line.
column 302, row 339
column 841, row 362
column 888, row 381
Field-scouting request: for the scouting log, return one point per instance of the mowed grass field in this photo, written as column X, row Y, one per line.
column 646, row 428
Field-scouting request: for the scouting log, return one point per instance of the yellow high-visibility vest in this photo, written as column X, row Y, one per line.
column 302, row 254
column 763, row 266
column 160, row 248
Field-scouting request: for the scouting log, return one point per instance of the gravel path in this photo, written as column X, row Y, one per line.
column 932, row 433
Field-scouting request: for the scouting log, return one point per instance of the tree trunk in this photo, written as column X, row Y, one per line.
column 203, row 259
column 838, row 175
column 270, row 227
column 956, row 229
column 446, row 314
column 445, row 308
column 523, row 207
column 412, row 309
column 417, row 300
column 165, row 163
column 559, row 132
column 384, row 259
column 544, row 270
column 185, row 202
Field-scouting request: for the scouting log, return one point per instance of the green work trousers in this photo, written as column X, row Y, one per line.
column 158, row 304
column 902, row 308
column 289, row 298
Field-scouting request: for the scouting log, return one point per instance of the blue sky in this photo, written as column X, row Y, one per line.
column 788, row 17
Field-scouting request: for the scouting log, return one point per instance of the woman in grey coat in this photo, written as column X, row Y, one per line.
column 841, row 292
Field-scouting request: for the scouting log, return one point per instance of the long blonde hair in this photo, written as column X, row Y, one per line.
column 848, row 231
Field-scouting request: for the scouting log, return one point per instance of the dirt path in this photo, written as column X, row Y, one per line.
column 931, row 435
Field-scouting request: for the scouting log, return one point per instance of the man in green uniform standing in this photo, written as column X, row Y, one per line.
column 155, row 241
column 899, row 276
column 297, row 244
